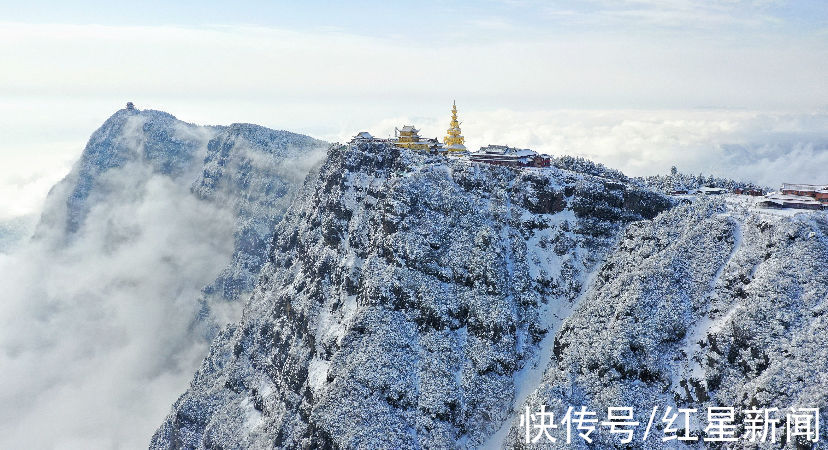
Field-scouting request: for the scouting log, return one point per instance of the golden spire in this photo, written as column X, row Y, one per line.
column 454, row 139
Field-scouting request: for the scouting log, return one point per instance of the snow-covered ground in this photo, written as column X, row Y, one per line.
column 714, row 303
column 411, row 301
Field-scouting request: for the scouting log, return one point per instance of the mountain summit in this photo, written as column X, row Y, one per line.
column 142, row 253
column 404, row 298
column 417, row 301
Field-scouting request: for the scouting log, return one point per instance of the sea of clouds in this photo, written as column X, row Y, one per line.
column 764, row 147
column 769, row 148
column 98, row 331
column 96, row 337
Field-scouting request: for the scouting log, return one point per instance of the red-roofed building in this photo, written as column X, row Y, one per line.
column 816, row 191
column 502, row 155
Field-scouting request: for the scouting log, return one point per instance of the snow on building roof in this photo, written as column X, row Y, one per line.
column 363, row 135
column 778, row 197
column 506, row 151
column 409, row 128
column 803, row 187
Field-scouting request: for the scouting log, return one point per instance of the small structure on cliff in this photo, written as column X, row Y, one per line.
column 362, row 136
column 454, row 144
column 709, row 190
column 776, row 200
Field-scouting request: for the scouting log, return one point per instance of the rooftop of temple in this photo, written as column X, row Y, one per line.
column 509, row 156
column 409, row 137
column 454, row 144
column 362, row 136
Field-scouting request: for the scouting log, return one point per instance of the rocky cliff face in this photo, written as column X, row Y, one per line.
column 705, row 306
column 408, row 302
column 140, row 257
column 255, row 171
column 153, row 139
column 248, row 171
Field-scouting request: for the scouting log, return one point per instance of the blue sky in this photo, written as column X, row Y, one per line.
column 595, row 53
column 441, row 19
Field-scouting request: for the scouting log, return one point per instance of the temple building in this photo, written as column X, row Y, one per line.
column 454, row 141
column 797, row 196
column 362, row 136
column 502, row 155
column 408, row 137
column 816, row 191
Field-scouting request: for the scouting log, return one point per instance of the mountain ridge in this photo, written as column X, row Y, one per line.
column 142, row 252
column 389, row 257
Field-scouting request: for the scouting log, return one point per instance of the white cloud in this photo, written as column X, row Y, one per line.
column 683, row 14
column 768, row 148
column 66, row 79
column 242, row 62
column 95, row 338
column 25, row 181
column 97, row 332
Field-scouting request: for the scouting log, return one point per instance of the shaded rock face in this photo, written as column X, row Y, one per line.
column 403, row 297
column 250, row 172
column 140, row 257
column 166, row 145
column 255, row 172
column 701, row 307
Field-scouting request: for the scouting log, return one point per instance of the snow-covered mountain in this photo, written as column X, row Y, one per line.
column 705, row 306
column 255, row 172
column 141, row 254
column 390, row 299
column 408, row 301
column 417, row 302
column 245, row 171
